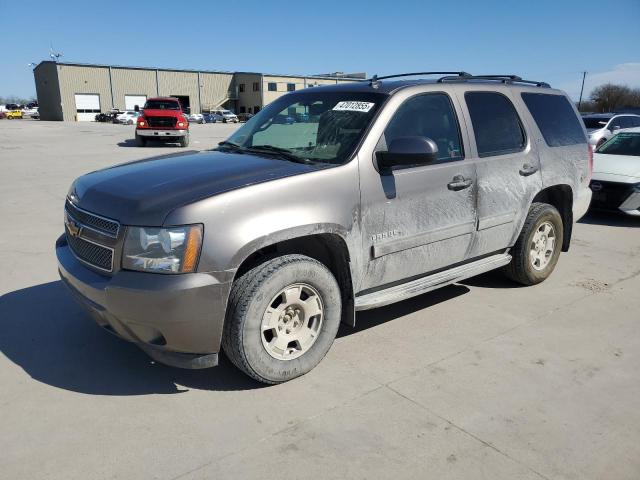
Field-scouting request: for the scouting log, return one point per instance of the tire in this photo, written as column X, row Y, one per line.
column 141, row 141
column 533, row 261
column 130, row 122
column 247, row 339
column 600, row 142
column 184, row 141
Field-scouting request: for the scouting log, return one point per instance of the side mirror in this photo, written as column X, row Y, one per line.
column 406, row 151
column 615, row 127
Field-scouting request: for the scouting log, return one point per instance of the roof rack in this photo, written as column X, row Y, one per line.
column 373, row 81
column 498, row 78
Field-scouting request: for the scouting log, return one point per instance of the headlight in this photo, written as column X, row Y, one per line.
column 162, row 250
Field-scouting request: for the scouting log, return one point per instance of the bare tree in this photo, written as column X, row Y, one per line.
column 610, row 97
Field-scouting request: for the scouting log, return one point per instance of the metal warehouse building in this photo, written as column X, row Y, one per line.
column 77, row 92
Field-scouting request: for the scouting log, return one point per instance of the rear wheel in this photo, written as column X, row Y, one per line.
column 537, row 249
column 282, row 318
column 600, row 142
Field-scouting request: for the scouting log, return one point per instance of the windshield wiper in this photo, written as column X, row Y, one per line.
column 231, row 145
column 281, row 152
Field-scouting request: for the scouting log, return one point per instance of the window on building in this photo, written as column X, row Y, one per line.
column 256, row 86
column 428, row 115
column 496, row 124
column 291, row 87
column 241, row 87
column 273, row 87
column 243, row 110
column 555, row 118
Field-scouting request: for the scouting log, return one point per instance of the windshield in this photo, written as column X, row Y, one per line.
column 594, row 122
column 162, row 105
column 622, row 144
column 319, row 126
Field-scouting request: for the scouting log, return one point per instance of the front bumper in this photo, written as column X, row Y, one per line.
column 176, row 319
column 615, row 196
column 151, row 132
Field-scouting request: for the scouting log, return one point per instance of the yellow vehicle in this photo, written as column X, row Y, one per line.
column 14, row 114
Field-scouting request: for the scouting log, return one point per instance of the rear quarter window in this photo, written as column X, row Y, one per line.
column 555, row 118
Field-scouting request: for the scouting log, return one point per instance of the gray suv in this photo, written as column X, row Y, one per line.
column 388, row 189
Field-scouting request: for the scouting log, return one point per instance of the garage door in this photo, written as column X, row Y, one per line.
column 87, row 106
column 130, row 101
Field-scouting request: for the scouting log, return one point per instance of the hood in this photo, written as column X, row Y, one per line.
column 625, row 165
column 146, row 191
column 150, row 112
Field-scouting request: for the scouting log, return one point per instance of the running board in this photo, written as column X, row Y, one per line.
column 430, row 282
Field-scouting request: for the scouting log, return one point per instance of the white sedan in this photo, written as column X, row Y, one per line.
column 616, row 174
column 128, row 118
column 195, row 118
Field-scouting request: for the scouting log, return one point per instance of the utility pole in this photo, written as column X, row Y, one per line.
column 584, row 74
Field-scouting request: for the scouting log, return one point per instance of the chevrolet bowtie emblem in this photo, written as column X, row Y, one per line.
column 75, row 229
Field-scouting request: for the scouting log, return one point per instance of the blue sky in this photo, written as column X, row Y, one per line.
column 544, row 40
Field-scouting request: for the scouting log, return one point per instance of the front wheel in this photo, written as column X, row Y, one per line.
column 140, row 141
column 282, row 318
column 184, row 141
column 537, row 249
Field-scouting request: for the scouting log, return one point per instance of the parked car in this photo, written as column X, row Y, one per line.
column 212, row 117
column 30, row 112
column 602, row 126
column 13, row 114
column 616, row 174
column 162, row 119
column 3, row 115
column 265, row 245
column 243, row 117
column 128, row 117
column 195, row 117
column 227, row 116
column 106, row 117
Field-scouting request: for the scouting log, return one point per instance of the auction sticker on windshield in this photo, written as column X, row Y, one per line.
column 354, row 106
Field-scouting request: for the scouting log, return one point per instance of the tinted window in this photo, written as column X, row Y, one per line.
column 636, row 121
column 162, row 105
column 615, row 122
column 555, row 118
column 273, row 87
column 594, row 122
column 431, row 116
column 495, row 123
column 623, row 144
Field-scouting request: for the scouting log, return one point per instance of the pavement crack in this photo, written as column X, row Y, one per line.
column 466, row 432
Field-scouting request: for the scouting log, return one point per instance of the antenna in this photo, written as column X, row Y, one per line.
column 55, row 56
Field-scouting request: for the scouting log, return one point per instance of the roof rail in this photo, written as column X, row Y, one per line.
column 373, row 81
column 498, row 78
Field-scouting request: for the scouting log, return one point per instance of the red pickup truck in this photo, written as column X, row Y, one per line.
column 163, row 119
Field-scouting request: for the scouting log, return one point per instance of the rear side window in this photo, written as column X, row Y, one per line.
column 555, row 118
column 496, row 124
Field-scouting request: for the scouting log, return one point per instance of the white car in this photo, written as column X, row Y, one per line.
column 227, row 116
column 30, row 112
column 195, row 118
column 128, row 118
column 616, row 174
column 602, row 126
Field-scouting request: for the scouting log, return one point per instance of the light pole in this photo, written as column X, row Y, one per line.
column 584, row 74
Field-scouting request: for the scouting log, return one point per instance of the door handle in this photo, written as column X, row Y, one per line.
column 459, row 183
column 527, row 170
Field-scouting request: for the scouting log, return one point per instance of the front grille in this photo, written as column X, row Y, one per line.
column 91, row 253
column 101, row 224
column 161, row 121
column 610, row 195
